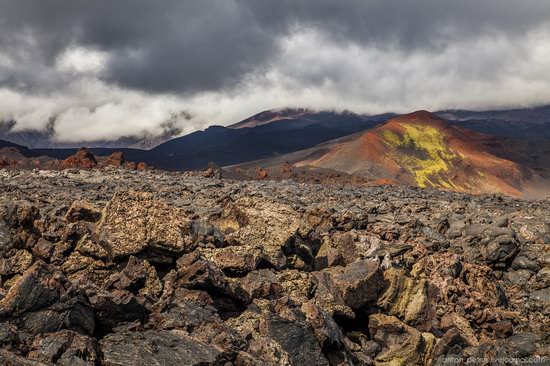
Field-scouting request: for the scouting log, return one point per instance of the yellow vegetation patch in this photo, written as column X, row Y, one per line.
column 434, row 156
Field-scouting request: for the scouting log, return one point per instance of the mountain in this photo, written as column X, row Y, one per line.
column 267, row 134
column 490, row 151
column 526, row 130
column 301, row 117
column 4, row 144
column 233, row 145
column 420, row 149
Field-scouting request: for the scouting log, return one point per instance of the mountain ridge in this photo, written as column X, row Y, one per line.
column 418, row 149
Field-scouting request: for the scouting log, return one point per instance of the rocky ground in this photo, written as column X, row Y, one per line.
column 120, row 267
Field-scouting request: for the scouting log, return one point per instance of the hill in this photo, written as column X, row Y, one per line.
column 420, row 149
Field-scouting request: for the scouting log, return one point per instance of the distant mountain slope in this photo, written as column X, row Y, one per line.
column 419, row 149
column 245, row 142
column 230, row 145
column 526, row 131
column 521, row 138
column 301, row 117
column 4, row 144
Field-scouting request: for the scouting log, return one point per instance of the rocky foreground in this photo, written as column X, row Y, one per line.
column 148, row 268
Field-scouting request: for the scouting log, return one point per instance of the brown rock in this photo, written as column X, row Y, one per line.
column 115, row 159
column 253, row 221
column 65, row 348
column 197, row 273
column 137, row 277
column 141, row 166
column 262, row 174
column 359, row 283
column 83, row 159
column 407, row 297
column 170, row 348
column 455, row 320
column 16, row 264
column 134, row 222
column 83, row 210
column 503, row 328
column 400, row 344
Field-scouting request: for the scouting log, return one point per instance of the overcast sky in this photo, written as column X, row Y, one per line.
column 110, row 68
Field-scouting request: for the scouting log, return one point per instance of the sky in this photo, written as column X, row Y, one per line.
column 104, row 69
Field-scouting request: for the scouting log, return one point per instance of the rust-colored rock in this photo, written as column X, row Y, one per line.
column 115, row 159
column 83, row 159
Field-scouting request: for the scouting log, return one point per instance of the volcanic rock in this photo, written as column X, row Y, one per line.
column 112, row 267
column 134, row 222
column 170, row 348
column 83, row 159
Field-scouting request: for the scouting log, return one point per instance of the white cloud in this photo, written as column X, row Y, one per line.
column 310, row 70
column 82, row 60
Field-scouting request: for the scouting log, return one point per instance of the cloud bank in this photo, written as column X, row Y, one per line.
column 106, row 69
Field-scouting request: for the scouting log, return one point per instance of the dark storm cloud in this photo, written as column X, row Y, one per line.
column 202, row 45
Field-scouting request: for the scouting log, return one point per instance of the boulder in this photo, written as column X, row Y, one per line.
column 167, row 348
column 356, row 285
column 407, row 297
column 115, row 307
column 65, row 348
column 8, row 358
column 16, row 263
column 253, row 221
column 400, row 344
column 297, row 340
column 40, row 301
column 83, row 210
column 6, row 240
column 134, row 222
column 115, row 159
column 138, row 277
column 82, row 159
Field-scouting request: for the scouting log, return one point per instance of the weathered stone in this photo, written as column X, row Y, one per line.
column 400, row 344
column 167, row 348
column 37, row 288
column 187, row 315
column 115, row 307
column 328, row 334
column 523, row 345
column 133, row 222
column 406, row 297
column 297, row 340
column 521, row 262
column 501, row 251
column 262, row 284
column 65, row 348
column 6, row 240
column 236, row 260
column 264, row 351
column 252, row 221
column 197, row 273
column 503, row 328
column 138, row 277
column 359, row 283
column 454, row 320
column 83, row 210
column 89, row 248
column 43, row 249
column 11, row 359
column 16, row 264
column 39, row 302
